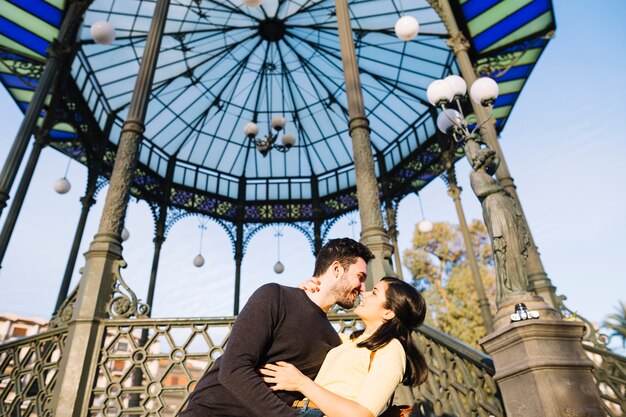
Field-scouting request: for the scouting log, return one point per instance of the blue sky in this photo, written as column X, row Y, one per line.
column 562, row 142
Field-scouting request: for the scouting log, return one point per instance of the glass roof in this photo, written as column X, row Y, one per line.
column 223, row 64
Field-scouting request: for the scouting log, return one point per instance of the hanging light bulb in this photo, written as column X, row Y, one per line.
column 407, row 28
column 198, row 261
column 425, row 226
column 278, row 266
column 125, row 234
column 62, row 185
column 102, row 32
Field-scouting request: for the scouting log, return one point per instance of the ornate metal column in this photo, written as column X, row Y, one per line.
column 454, row 191
column 391, row 212
column 87, row 201
column 159, row 239
column 238, row 261
column 317, row 221
column 104, row 258
column 538, row 280
column 20, row 194
column 373, row 234
column 59, row 52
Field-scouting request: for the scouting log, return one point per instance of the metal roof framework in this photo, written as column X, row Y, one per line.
column 223, row 64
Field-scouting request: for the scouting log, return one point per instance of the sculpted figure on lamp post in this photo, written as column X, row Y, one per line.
column 504, row 223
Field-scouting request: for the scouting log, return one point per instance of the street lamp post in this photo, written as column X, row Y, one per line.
column 529, row 355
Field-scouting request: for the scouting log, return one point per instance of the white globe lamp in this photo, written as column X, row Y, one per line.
column 425, row 226
column 484, row 91
column 251, row 129
column 439, row 92
column 279, row 267
column 277, row 123
column 62, row 185
column 457, row 85
column 125, row 235
column 288, row 140
column 407, row 28
column 102, row 32
column 198, row 261
column 447, row 119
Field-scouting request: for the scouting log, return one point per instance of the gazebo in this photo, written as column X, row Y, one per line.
column 284, row 112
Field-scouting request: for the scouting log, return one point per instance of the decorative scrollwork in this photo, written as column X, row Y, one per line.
column 496, row 66
column 26, row 71
column 592, row 334
column 609, row 368
column 125, row 305
column 65, row 312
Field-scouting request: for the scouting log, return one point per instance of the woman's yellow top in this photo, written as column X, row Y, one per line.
column 345, row 372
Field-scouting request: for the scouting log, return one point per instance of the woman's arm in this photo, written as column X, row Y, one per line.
column 288, row 378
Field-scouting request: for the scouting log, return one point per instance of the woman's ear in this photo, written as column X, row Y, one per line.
column 388, row 315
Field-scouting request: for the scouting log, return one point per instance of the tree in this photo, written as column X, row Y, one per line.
column 617, row 322
column 438, row 264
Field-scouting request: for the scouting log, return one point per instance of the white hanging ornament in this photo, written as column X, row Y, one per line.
column 425, row 226
column 62, row 185
column 279, row 267
column 102, row 32
column 407, row 28
column 125, row 234
column 198, row 261
column 253, row 3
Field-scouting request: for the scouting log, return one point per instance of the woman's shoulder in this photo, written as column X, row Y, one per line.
column 394, row 347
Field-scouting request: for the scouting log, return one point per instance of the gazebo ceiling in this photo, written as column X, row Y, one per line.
column 223, row 64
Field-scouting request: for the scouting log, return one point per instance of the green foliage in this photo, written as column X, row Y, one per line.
column 617, row 322
column 438, row 263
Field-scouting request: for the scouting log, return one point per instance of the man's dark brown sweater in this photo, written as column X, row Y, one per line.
column 277, row 324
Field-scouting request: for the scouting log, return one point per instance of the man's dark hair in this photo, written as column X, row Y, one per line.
column 344, row 250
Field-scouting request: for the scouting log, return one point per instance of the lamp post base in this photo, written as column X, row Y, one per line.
column 542, row 369
column 532, row 302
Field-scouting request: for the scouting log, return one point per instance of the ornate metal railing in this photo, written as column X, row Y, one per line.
column 149, row 367
column 609, row 368
column 28, row 371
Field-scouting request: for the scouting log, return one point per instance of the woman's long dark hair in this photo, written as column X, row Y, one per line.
column 409, row 308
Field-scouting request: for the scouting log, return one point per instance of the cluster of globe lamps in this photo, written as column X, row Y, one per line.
column 441, row 93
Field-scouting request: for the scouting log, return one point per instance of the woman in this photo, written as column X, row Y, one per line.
column 358, row 378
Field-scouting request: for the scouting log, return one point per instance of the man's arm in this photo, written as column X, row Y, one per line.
column 249, row 340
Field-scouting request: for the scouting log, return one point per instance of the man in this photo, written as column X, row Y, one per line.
column 281, row 324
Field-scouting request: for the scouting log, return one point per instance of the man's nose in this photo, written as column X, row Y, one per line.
column 362, row 288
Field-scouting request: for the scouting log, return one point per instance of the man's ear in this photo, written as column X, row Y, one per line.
column 337, row 269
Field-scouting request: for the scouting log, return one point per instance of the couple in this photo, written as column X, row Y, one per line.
column 282, row 337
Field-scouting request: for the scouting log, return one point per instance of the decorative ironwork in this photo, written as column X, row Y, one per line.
column 172, row 354
column 27, row 71
column 496, row 66
column 306, row 228
column 124, row 305
column 609, row 368
column 64, row 314
column 28, row 373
